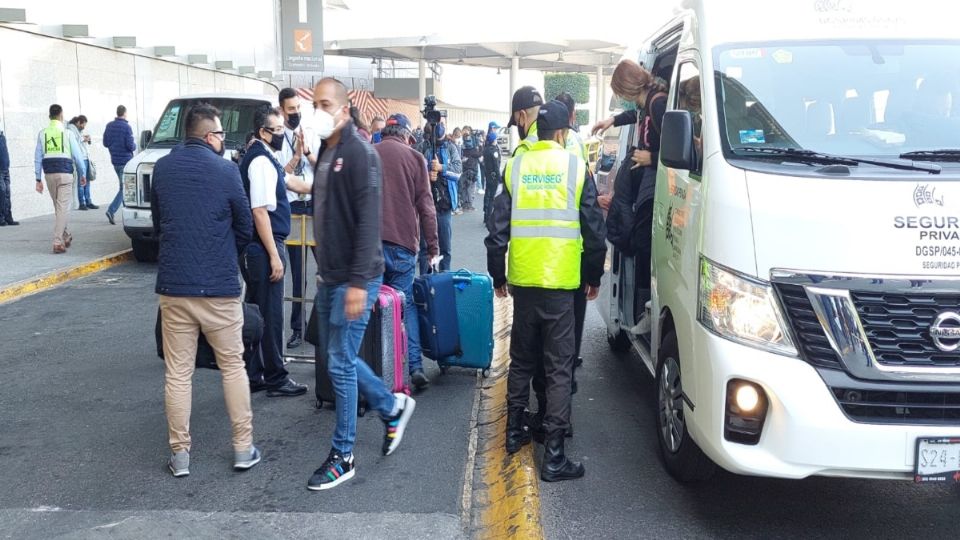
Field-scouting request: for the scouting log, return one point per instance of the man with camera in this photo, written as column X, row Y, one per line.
column 445, row 167
column 472, row 152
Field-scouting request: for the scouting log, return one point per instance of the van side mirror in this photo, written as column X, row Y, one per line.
column 676, row 142
column 145, row 138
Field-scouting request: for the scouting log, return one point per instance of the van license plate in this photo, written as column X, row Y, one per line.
column 938, row 460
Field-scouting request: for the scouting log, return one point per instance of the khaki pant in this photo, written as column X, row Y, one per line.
column 221, row 321
column 60, row 186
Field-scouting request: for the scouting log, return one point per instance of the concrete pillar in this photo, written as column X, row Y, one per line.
column 601, row 94
column 514, row 85
column 422, row 83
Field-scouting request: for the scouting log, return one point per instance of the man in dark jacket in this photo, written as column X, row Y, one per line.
column 407, row 207
column 444, row 168
column 491, row 169
column 202, row 218
column 118, row 138
column 346, row 198
column 6, row 213
column 266, row 183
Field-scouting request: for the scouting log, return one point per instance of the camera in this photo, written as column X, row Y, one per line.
column 430, row 111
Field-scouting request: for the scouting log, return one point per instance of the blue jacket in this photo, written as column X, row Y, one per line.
column 203, row 220
column 4, row 153
column 118, row 138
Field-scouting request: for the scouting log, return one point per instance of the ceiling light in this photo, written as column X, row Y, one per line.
column 498, row 71
column 335, row 45
column 423, row 41
column 373, row 60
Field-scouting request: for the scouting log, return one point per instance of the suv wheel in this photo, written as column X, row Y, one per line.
column 683, row 459
column 145, row 251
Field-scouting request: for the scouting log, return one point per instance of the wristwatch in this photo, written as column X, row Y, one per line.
column 307, row 152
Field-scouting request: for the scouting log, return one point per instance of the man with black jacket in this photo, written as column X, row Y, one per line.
column 6, row 213
column 546, row 217
column 445, row 168
column 203, row 220
column 491, row 169
column 347, row 206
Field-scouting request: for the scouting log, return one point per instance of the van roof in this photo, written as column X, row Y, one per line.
column 744, row 21
column 226, row 95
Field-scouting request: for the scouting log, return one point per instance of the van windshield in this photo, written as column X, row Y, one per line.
column 235, row 114
column 854, row 98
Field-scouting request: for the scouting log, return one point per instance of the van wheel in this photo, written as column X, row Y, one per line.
column 620, row 342
column 683, row 459
column 145, row 251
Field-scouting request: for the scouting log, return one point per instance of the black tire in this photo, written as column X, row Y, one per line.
column 681, row 456
column 145, row 251
column 620, row 342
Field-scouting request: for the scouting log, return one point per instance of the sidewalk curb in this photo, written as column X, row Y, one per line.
column 506, row 497
column 57, row 277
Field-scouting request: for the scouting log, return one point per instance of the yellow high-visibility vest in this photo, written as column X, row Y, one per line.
column 545, row 185
column 576, row 146
column 55, row 141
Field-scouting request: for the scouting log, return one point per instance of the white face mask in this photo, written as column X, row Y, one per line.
column 323, row 123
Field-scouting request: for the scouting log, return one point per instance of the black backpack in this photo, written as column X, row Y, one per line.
column 252, row 335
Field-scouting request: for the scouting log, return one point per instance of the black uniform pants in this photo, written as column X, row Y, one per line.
column 543, row 334
column 267, row 363
column 295, row 256
column 6, row 215
column 579, row 313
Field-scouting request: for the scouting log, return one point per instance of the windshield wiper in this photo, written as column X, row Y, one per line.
column 164, row 141
column 802, row 155
column 947, row 154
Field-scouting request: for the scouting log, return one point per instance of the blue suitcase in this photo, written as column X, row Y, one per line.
column 474, row 294
column 435, row 299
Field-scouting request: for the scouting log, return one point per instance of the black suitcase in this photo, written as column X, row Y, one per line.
column 252, row 335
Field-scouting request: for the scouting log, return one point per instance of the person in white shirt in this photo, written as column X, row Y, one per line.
column 266, row 183
column 297, row 159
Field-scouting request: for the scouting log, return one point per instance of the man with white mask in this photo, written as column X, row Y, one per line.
column 346, row 210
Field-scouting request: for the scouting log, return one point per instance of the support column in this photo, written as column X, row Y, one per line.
column 422, row 83
column 601, row 94
column 514, row 85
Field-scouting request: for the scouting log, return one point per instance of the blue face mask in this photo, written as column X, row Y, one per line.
column 491, row 137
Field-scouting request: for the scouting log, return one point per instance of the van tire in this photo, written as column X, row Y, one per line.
column 620, row 342
column 683, row 459
column 145, row 251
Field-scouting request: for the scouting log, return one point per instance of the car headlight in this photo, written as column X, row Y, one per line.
column 741, row 310
column 129, row 188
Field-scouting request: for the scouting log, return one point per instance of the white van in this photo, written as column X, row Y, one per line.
column 805, row 290
column 236, row 114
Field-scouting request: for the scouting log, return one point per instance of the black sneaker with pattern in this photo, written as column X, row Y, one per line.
column 335, row 470
column 396, row 425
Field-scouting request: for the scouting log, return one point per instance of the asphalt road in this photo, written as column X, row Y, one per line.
column 83, row 434
column 627, row 494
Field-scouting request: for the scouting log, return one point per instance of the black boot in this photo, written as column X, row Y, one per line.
column 556, row 467
column 517, row 434
column 535, row 421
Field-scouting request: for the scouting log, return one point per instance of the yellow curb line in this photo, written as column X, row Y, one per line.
column 507, row 499
column 52, row 279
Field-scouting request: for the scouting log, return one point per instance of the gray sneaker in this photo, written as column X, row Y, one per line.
column 179, row 464
column 246, row 459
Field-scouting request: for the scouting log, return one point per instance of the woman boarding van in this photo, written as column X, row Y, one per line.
column 805, row 289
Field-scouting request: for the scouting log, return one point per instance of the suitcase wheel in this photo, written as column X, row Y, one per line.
column 361, row 410
column 319, row 404
column 443, row 370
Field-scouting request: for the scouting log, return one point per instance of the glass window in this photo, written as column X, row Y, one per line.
column 689, row 97
column 858, row 98
column 236, row 115
column 168, row 126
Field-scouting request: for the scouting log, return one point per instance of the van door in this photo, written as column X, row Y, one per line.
column 676, row 209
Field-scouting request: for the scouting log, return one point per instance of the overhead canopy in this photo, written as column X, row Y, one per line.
column 576, row 55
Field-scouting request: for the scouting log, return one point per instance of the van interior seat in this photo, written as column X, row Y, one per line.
column 854, row 114
column 818, row 121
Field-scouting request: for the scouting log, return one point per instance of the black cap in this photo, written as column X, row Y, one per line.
column 524, row 98
column 553, row 115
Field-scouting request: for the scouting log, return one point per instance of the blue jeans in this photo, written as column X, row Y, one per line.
column 401, row 267
column 118, row 200
column 348, row 373
column 445, row 232
column 83, row 192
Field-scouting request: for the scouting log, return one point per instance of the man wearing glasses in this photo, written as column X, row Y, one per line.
column 266, row 183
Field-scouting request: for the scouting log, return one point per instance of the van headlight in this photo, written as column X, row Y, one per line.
column 129, row 188
column 741, row 310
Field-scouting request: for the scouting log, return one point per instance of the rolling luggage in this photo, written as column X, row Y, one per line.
column 384, row 349
column 252, row 334
column 436, row 303
column 474, row 301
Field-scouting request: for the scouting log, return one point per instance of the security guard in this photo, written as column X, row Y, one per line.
column 574, row 140
column 58, row 151
column 523, row 114
column 546, row 213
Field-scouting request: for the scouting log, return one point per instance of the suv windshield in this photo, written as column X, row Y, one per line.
column 852, row 98
column 235, row 114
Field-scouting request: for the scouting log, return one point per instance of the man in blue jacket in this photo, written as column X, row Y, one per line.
column 6, row 213
column 203, row 220
column 118, row 138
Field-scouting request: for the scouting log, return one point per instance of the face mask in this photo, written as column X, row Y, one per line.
column 323, row 123
column 459, row 141
column 293, row 120
column 522, row 131
column 276, row 142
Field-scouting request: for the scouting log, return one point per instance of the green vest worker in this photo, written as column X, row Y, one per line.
column 546, row 217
